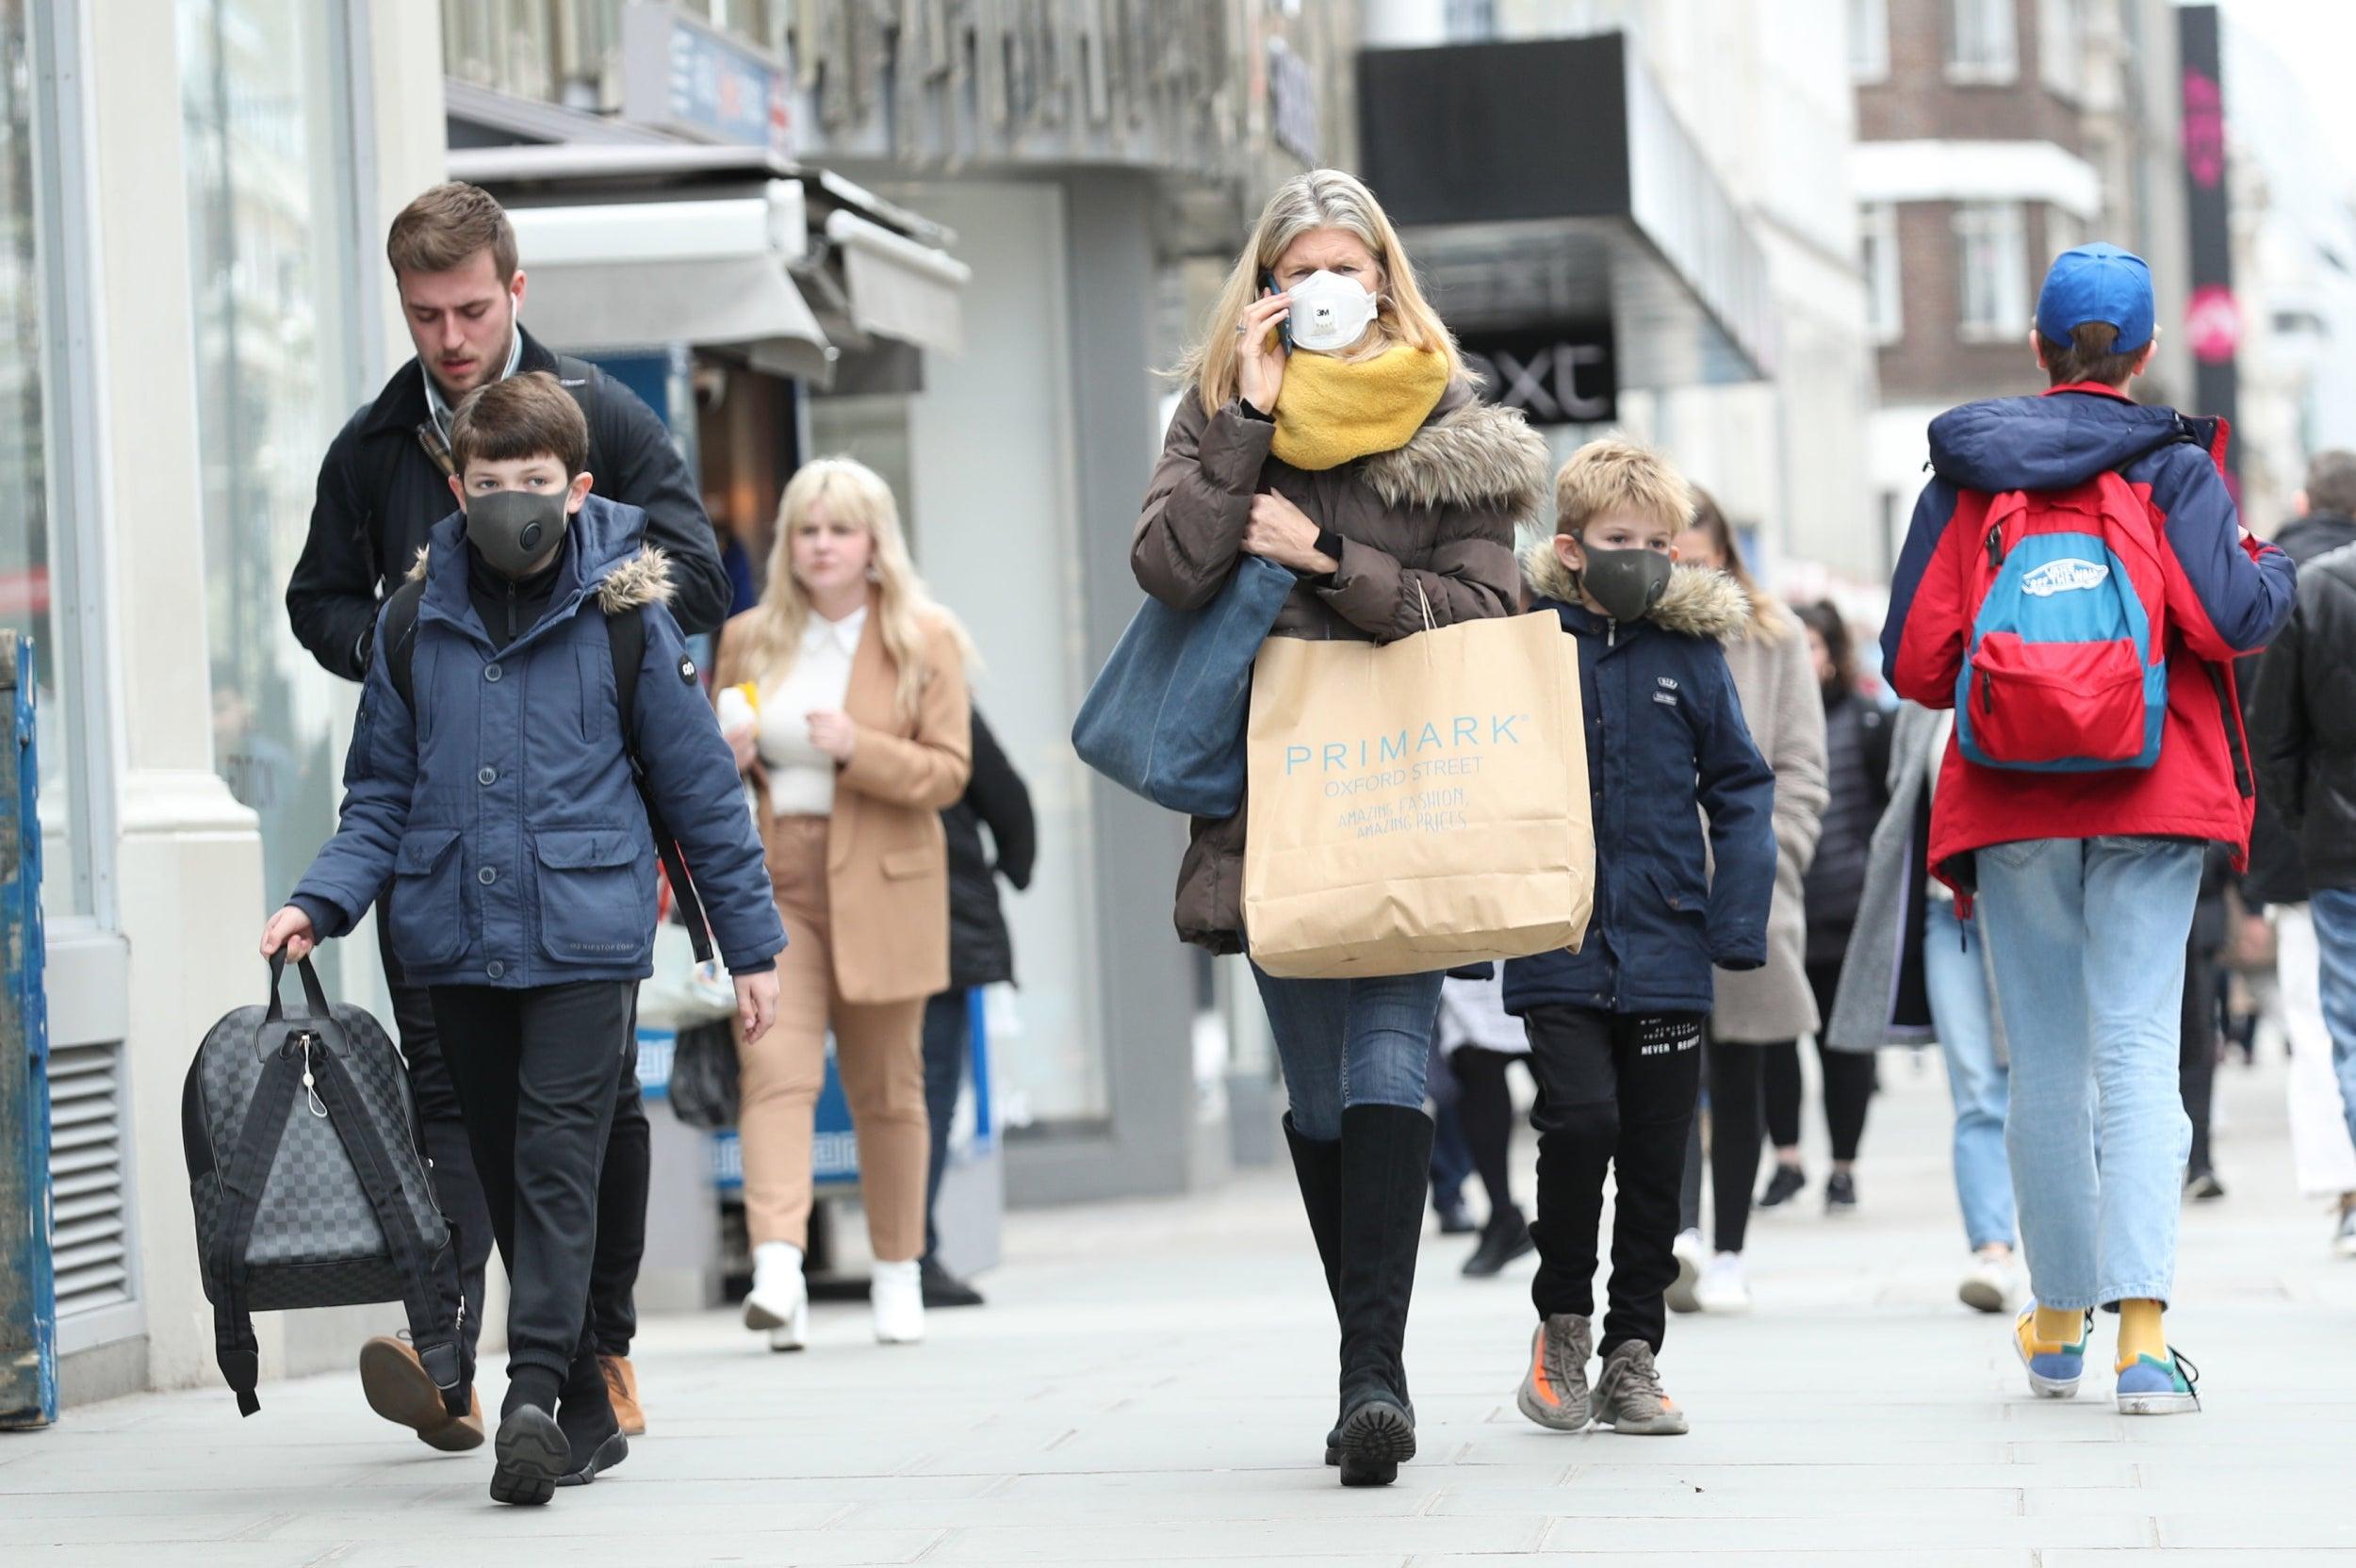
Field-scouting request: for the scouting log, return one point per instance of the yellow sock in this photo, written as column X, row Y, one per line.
column 2140, row 1332
column 2053, row 1327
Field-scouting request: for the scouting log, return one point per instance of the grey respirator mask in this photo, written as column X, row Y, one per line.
column 513, row 531
column 1626, row 582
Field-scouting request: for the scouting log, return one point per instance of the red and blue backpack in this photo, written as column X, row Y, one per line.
column 2065, row 667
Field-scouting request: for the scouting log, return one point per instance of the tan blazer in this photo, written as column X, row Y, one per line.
column 887, row 859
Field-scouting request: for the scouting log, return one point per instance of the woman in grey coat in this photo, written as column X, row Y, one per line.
column 1757, row 1009
column 1916, row 972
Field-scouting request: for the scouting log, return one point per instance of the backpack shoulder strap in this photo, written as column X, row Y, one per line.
column 242, row 1181
column 586, row 383
column 400, row 639
column 625, row 637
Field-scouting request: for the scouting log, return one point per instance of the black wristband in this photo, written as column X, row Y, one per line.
column 1330, row 545
column 1252, row 410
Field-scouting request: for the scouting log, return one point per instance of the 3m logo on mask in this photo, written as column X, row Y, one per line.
column 2070, row 575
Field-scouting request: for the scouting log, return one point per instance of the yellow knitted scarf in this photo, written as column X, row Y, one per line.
column 1331, row 410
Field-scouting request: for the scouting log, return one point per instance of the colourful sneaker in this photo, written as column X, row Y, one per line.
column 2149, row 1386
column 1554, row 1390
column 2053, row 1369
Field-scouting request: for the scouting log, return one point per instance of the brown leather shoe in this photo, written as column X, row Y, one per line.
column 399, row 1390
column 621, row 1390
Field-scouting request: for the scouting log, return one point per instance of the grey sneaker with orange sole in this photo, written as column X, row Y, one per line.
column 1628, row 1397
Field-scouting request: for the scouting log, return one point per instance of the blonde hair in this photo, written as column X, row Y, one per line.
column 1770, row 622
column 1615, row 474
column 1320, row 199
column 906, row 609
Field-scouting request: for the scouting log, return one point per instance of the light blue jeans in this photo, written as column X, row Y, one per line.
column 1349, row 1042
column 2087, row 937
column 2334, row 912
column 1963, row 1017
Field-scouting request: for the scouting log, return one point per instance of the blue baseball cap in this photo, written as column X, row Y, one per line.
column 2097, row 283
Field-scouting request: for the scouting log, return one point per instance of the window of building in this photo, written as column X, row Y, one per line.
column 1981, row 46
column 277, row 309
column 1869, row 40
column 1877, row 240
column 2061, row 44
column 1471, row 19
column 1992, row 271
column 39, row 585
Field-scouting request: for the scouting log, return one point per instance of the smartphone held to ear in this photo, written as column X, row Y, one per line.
column 1283, row 327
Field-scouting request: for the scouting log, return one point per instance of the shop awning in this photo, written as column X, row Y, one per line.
column 630, row 245
column 638, row 274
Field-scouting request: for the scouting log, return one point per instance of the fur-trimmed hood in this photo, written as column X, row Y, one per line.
column 1468, row 453
column 1699, row 602
column 627, row 575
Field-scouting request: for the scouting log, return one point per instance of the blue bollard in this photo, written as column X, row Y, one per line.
column 29, row 1296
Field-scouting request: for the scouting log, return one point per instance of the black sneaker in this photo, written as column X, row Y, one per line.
column 1455, row 1219
column 2202, row 1186
column 1783, row 1186
column 945, row 1289
column 1841, row 1193
column 533, row 1456
column 1503, row 1239
column 593, row 1433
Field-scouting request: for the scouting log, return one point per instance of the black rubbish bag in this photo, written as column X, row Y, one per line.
column 703, row 1075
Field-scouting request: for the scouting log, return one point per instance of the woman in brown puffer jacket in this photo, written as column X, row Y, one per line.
column 1332, row 428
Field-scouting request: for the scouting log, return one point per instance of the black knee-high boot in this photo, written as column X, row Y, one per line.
column 1385, row 1166
column 1318, row 1166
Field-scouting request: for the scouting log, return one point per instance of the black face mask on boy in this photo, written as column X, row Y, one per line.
column 515, row 530
column 1626, row 582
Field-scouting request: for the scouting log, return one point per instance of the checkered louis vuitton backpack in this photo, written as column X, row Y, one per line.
column 309, row 1189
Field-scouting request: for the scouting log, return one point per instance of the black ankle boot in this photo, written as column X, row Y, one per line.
column 1385, row 1166
column 1318, row 1166
column 584, row 1413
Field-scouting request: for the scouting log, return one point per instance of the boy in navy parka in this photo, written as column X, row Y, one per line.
column 1615, row 1028
column 500, row 799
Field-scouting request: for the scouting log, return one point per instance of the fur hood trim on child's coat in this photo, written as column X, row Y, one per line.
column 634, row 583
column 1699, row 602
column 1476, row 455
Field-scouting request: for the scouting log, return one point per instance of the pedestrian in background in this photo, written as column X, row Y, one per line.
column 1328, row 426
column 2321, row 1147
column 2200, row 1037
column 1917, row 969
column 383, row 486
column 1615, row 1028
column 2305, row 738
column 1765, row 1010
column 981, row 953
column 2084, row 876
column 1480, row 1040
column 845, row 698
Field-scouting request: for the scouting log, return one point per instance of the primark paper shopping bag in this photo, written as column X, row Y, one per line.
column 1418, row 806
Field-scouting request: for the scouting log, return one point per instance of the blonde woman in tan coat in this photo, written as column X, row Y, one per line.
column 1765, row 1010
column 843, row 693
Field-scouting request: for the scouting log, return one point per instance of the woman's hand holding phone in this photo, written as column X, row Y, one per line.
column 1259, row 369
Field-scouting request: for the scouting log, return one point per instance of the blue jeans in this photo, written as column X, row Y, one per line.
column 2087, row 936
column 2334, row 912
column 1349, row 1042
column 1964, row 1018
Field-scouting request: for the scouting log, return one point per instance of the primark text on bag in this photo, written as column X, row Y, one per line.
column 1417, row 805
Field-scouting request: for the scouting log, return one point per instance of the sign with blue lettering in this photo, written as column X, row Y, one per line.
column 686, row 75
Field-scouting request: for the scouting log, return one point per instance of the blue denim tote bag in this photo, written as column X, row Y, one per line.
column 1165, row 718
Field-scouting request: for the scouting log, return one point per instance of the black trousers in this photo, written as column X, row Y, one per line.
column 1484, row 1111
column 1849, row 1079
column 947, row 1032
column 1736, row 1112
column 1615, row 1095
column 2196, row 1065
column 442, row 1128
column 536, row 1072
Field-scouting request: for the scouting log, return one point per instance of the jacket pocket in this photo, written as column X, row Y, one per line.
column 901, row 865
column 597, row 896
column 1683, row 899
column 428, row 912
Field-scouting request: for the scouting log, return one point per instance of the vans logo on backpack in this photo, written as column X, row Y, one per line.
column 2066, row 576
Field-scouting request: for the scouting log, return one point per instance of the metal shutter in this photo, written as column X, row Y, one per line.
column 92, row 1245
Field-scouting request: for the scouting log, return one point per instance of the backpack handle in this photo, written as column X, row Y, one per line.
column 314, row 996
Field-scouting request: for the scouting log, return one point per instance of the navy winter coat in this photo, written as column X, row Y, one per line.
column 1664, row 735
column 503, row 813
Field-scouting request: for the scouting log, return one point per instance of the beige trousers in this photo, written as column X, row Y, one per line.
column 878, row 1051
